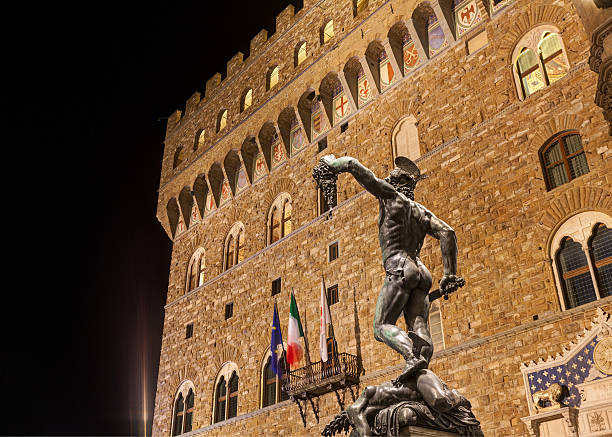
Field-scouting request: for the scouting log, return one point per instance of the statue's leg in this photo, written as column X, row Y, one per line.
column 416, row 314
column 389, row 306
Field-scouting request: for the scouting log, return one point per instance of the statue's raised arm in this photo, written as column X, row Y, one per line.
column 366, row 178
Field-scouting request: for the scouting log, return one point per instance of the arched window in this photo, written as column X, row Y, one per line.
column 195, row 271
column 359, row 6
column 574, row 271
column 179, row 411
column 279, row 221
column 179, row 157
column 553, row 57
column 226, row 393
column 199, row 139
column 232, row 404
column 182, row 418
column 220, row 403
column 435, row 326
column 600, row 248
column 327, row 31
column 581, row 252
column 272, row 387
column 234, row 246
column 189, row 411
column 563, row 159
column 539, row 60
column 222, row 120
column 405, row 138
column 300, row 53
column 272, row 79
column 247, row 100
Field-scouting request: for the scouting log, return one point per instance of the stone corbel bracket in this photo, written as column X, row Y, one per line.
column 602, row 64
column 568, row 414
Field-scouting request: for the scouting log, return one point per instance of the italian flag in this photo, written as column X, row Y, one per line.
column 294, row 347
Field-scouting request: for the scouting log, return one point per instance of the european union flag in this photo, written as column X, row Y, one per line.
column 276, row 344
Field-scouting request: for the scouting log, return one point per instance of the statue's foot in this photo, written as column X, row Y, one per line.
column 418, row 342
column 412, row 366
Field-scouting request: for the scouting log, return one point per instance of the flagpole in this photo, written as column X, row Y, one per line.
column 331, row 322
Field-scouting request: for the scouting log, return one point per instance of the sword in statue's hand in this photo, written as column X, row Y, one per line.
column 448, row 286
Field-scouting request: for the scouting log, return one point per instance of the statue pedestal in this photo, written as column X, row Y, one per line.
column 417, row 431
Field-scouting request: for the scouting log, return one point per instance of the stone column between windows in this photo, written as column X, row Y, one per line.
column 585, row 249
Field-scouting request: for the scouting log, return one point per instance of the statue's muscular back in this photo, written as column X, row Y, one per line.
column 402, row 226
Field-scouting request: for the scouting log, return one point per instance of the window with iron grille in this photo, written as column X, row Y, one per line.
column 229, row 310
column 575, row 275
column 563, row 159
column 276, row 286
column 332, row 295
column 189, row 331
column 333, row 251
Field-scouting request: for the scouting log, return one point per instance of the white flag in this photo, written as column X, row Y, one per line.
column 324, row 323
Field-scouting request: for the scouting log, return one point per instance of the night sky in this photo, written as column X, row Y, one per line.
column 86, row 281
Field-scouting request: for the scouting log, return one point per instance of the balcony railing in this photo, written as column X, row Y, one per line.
column 339, row 371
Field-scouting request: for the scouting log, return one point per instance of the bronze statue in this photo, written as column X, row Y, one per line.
column 402, row 227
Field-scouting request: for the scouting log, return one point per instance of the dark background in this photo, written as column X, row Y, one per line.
column 85, row 284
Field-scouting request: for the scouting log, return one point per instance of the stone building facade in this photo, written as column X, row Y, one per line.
column 478, row 93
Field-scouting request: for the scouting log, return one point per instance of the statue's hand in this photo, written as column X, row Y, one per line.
column 450, row 283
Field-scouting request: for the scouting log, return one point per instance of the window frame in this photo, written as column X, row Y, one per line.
column 195, row 270
column 233, row 248
column 225, row 373
column 579, row 227
column 559, row 137
column 183, row 390
column 531, row 40
column 279, row 207
column 278, row 392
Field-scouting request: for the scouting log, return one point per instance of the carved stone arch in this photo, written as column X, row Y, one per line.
column 572, row 202
column 555, row 124
column 186, row 373
column 394, row 116
column 225, row 354
column 282, row 185
column 536, row 15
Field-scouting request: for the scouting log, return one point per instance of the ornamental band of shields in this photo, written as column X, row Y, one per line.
column 416, row 397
